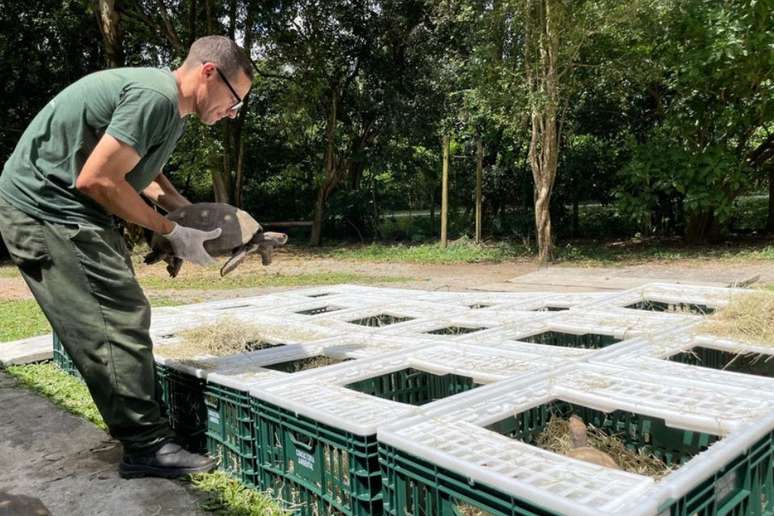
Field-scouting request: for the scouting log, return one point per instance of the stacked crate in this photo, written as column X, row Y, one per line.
column 479, row 452
column 430, row 402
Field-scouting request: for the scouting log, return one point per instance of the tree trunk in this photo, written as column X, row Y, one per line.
column 239, row 123
column 319, row 206
column 108, row 21
column 770, row 222
column 432, row 212
column 192, row 23
column 541, row 49
column 208, row 16
column 221, row 185
column 702, row 227
column 240, row 173
column 479, row 173
column 575, row 219
column 329, row 168
column 445, row 193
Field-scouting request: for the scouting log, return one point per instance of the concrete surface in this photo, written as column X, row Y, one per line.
column 25, row 351
column 600, row 279
column 51, row 458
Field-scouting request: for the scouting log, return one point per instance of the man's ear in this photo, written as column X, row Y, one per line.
column 207, row 70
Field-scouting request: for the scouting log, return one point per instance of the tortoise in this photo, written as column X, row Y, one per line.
column 582, row 451
column 241, row 235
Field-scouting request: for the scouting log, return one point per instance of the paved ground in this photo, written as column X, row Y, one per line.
column 50, row 458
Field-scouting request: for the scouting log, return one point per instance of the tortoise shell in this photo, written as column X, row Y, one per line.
column 237, row 226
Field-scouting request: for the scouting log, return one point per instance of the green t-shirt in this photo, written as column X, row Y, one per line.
column 137, row 106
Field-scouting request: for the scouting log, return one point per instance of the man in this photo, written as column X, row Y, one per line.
column 84, row 158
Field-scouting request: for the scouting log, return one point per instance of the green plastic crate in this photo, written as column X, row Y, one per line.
column 414, row 386
column 315, row 468
column 412, row 486
column 231, row 432
column 744, row 487
column 752, row 363
column 63, row 360
column 182, row 397
column 660, row 306
column 571, row 340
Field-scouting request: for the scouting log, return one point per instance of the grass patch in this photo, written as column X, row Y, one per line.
column 23, row 318
column 61, row 388
column 20, row 319
column 633, row 252
column 587, row 253
column 9, row 271
column 160, row 301
column 462, row 251
column 212, row 280
column 747, row 317
column 232, row 498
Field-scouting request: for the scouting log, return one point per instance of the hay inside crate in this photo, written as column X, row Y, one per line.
column 414, row 386
column 638, row 443
column 229, row 336
column 747, row 317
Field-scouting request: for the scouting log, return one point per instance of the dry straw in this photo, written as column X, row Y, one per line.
column 229, row 336
column 747, row 317
column 556, row 438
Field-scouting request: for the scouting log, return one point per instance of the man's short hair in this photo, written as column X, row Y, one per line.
column 220, row 51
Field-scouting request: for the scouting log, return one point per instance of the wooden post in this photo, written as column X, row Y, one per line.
column 479, row 172
column 445, row 192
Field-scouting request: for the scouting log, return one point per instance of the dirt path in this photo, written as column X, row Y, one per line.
column 430, row 276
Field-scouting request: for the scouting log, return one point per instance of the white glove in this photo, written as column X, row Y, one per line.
column 188, row 243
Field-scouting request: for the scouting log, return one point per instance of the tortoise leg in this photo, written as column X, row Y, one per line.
column 267, row 242
column 240, row 253
column 153, row 257
column 173, row 265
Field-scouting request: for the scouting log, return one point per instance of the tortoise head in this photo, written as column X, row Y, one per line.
column 262, row 242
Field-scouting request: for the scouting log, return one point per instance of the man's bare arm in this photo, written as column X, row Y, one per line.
column 163, row 193
column 103, row 178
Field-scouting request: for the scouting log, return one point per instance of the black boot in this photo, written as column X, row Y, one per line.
column 169, row 461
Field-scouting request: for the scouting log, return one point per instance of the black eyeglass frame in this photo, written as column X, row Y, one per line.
column 240, row 100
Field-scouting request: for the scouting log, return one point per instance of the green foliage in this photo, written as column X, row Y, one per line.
column 61, row 388
column 20, row 319
column 671, row 182
column 667, row 107
column 715, row 95
column 46, row 45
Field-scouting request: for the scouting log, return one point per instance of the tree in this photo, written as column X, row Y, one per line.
column 714, row 78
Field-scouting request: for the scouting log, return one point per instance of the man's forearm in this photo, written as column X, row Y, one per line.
column 162, row 193
column 120, row 199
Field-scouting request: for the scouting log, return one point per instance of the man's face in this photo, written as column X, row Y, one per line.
column 218, row 95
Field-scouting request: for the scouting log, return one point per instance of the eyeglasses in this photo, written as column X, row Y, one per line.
column 240, row 100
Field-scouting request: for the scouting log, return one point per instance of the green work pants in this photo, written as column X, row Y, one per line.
column 82, row 278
